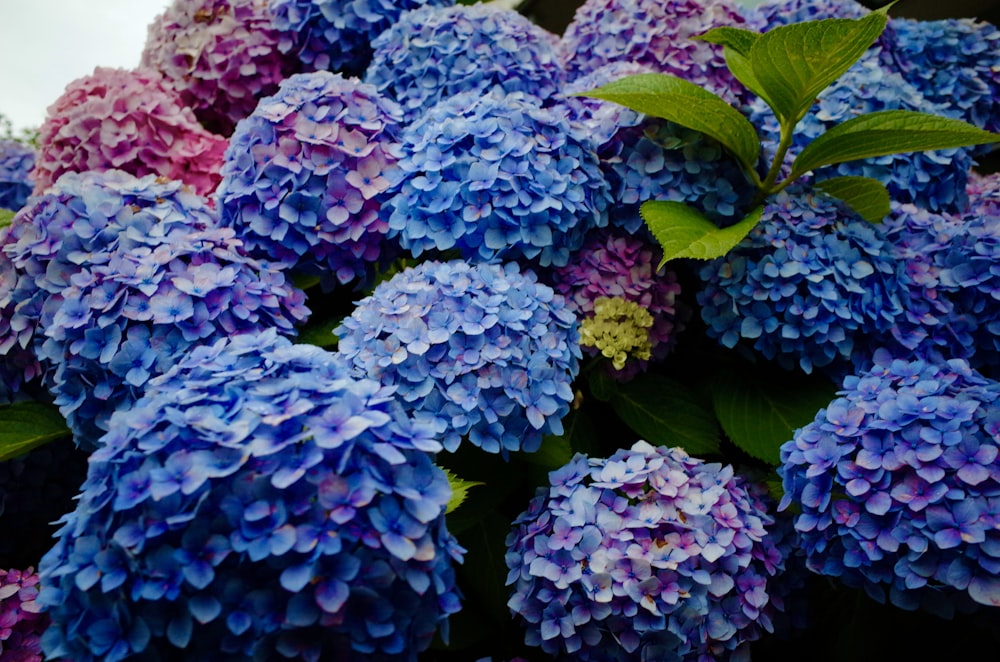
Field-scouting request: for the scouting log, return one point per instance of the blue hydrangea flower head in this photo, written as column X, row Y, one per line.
column 655, row 34
column 435, row 52
column 303, row 176
column 118, row 276
column 256, row 503
column 16, row 162
column 935, row 180
column 484, row 351
column 807, row 285
column 772, row 13
column 335, row 35
column 220, row 56
column 618, row 265
column 21, row 620
column 649, row 554
column 496, row 176
column 896, row 482
column 952, row 62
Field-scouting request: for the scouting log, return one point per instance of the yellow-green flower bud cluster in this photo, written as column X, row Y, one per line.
column 619, row 329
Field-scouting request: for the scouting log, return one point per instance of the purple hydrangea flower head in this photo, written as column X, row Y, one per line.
column 617, row 265
column 650, row 554
column 485, row 351
column 256, row 503
column 335, row 35
column 952, row 62
column 655, row 34
column 21, row 620
column 972, row 267
column 221, row 56
column 126, row 120
column 646, row 158
column 496, row 176
column 897, row 483
column 435, row 52
column 935, row 180
column 304, row 174
column 930, row 246
column 122, row 275
column 808, row 283
column 773, row 13
column 16, row 162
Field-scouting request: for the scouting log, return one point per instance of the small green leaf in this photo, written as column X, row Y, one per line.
column 6, row 217
column 459, row 490
column 868, row 197
column 761, row 412
column 887, row 132
column 685, row 232
column 320, row 333
column 684, row 103
column 794, row 63
column 577, row 437
column 28, row 425
column 663, row 412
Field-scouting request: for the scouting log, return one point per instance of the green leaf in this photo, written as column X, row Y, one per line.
column 887, row 132
column 868, row 197
column 602, row 386
column 459, row 490
column 761, row 411
column 685, row 232
column 738, row 39
column 794, row 63
column 664, row 412
column 683, row 102
column 320, row 333
column 556, row 451
column 6, row 217
column 28, row 425
column 739, row 65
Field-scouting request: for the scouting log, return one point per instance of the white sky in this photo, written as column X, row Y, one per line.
column 46, row 44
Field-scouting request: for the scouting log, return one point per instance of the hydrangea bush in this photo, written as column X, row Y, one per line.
column 633, row 264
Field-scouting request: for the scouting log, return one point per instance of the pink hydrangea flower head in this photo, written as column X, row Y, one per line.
column 221, row 56
column 126, row 120
column 21, row 620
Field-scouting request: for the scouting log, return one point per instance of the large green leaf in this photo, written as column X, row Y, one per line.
column 683, row 102
column 887, row 132
column 794, row 63
column 868, row 197
column 320, row 333
column 685, row 232
column 738, row 39
column 665, row 413
column 556, row 451
column 760, row 412
column 28, row 425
